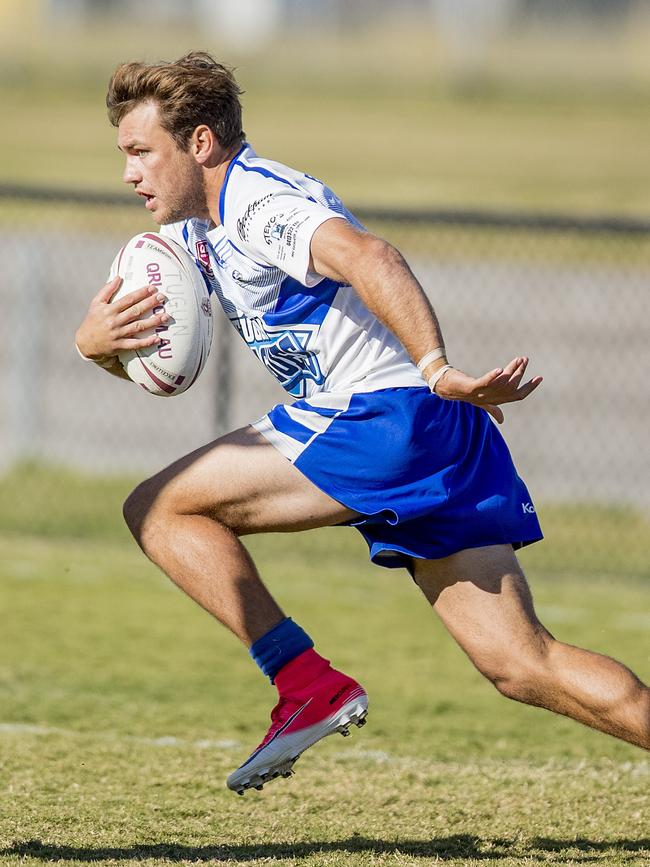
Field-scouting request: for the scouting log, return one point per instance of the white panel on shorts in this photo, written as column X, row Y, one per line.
column 286, row 445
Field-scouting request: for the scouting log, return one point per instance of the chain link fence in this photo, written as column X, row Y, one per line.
column 573, row 294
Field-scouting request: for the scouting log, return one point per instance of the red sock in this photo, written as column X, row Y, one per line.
column 301, row 671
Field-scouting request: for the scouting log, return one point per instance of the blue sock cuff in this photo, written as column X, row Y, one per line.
column 279, row 646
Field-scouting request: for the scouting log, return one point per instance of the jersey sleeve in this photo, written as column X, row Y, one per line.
column 274, row 226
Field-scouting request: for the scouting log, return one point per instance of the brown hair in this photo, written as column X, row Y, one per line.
column 191, row 91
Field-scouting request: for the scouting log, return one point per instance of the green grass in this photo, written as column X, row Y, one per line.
column 375, row 114
column 490, row 152
column 584, row 539
column 124, row 707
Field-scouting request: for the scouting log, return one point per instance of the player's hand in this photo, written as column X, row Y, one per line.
column 110, row 328
column 502, row 385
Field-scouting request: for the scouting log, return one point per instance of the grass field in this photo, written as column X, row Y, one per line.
column 124, row 708
column 549, row 127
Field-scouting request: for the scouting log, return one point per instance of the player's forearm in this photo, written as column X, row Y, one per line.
column 390, row 290
column 385, row 283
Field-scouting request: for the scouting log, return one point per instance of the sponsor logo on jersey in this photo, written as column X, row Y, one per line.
column 204, row 257
column 243, row 223
column 275, row 228
column 528, row 508
column 285, row 351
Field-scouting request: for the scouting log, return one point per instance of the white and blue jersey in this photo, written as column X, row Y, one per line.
column 427, row 477
column 312, row 333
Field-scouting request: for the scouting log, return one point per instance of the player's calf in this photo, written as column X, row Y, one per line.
column 593, row 689
column 483, row 599
column 588, row 687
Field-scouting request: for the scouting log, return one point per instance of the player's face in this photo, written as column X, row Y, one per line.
column 169, row 179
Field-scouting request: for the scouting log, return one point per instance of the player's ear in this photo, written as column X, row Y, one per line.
column 203, row 144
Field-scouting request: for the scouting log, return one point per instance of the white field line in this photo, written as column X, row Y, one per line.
column 165, row 741
column 501, row 768
column 506, row 768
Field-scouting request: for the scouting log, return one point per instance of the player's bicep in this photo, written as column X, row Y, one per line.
column 338, row 249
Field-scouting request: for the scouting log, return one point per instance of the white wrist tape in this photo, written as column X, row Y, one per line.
column 105, row 363
column 434, row 355
column 433, row 379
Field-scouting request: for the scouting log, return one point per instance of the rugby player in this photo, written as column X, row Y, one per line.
column 383, row 433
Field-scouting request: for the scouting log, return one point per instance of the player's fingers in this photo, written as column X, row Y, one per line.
column 132, row 298
column 512, row 366
column 142, row 325
column 510, row 384
column 133, row 343
column 145, row 305
column 487, row 379
column 520, row 393
column 516, row 376
column 106, row 292
column 504, row 388
column 530, row 386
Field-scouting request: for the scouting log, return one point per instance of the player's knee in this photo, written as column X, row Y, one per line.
column 523, row 677
column 516, row 685
column 139, row 511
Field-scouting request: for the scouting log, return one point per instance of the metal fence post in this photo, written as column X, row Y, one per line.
column 26, row 356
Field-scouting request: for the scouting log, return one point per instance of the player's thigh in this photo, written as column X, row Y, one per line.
column 243, row 481
column 483, row 598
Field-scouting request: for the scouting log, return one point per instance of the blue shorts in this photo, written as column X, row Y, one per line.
column 428, row 477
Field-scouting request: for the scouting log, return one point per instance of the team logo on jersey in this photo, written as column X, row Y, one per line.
column 285, row 351
column 204, row 257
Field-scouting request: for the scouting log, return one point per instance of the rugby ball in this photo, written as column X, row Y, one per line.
column 174, row 364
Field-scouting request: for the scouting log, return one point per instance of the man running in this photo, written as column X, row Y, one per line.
column 383, row 434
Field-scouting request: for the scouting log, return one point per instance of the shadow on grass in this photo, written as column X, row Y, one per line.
column 581, row 851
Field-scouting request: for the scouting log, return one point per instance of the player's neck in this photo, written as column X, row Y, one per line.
column 215, row 177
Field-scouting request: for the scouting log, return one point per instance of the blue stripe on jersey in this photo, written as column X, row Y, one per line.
column 207, row 281
column 297, row 304
column 267, row 173
column 222, row 194
column 222, row 200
